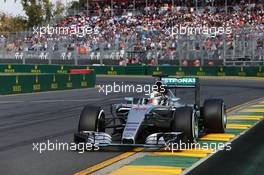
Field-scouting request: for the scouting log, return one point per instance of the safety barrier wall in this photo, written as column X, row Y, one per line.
column 257, row 71
column 208, row 71
column 180, row 71
column 110, row 70
column 19, row 83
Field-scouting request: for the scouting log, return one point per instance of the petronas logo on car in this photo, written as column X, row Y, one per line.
column 179, row 81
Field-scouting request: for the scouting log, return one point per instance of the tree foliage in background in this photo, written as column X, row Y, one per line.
column 37, row 13
column 73, row 7
column 59, row 9
column 47, row 9
column 12, row 24
column 34, row 11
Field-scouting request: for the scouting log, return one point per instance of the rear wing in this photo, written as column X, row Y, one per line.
column 183, row 82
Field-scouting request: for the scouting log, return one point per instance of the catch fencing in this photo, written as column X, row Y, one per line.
column 244, row 47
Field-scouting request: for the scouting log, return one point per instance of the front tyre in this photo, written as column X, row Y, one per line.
column 184, row 121
column 92, row 119
column 214, row 114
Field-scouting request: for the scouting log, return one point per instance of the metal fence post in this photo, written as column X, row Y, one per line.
column 75, row 56
column 101, row 57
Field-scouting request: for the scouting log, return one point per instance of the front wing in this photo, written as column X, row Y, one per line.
column 101, row 139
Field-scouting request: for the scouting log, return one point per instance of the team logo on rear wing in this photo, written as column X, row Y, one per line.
column 180, row 82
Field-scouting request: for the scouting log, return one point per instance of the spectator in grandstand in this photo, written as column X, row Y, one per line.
column 152, row 62
column 146, row 31
column 122, row 62
column 2, row 41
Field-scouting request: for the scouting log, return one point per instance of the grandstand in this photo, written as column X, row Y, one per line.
column 132, row 32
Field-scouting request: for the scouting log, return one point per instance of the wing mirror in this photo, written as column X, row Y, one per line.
column 196, row 107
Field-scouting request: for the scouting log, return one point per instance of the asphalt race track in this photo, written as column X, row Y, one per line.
column 31, row 118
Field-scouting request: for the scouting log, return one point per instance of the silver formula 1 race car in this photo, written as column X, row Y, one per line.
column 154, row 121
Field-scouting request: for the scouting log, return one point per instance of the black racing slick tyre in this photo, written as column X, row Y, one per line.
column 214, row 114
column 92, row 119
column 184, row 121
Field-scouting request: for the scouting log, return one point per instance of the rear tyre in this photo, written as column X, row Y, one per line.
column 92, row 119
column 184, row 121
column 214, row 114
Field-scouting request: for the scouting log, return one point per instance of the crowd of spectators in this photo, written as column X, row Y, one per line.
column 148, row 29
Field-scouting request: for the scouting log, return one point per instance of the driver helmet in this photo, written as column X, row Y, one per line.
column 159, row 86
column 155, row 101
column 155, row 98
